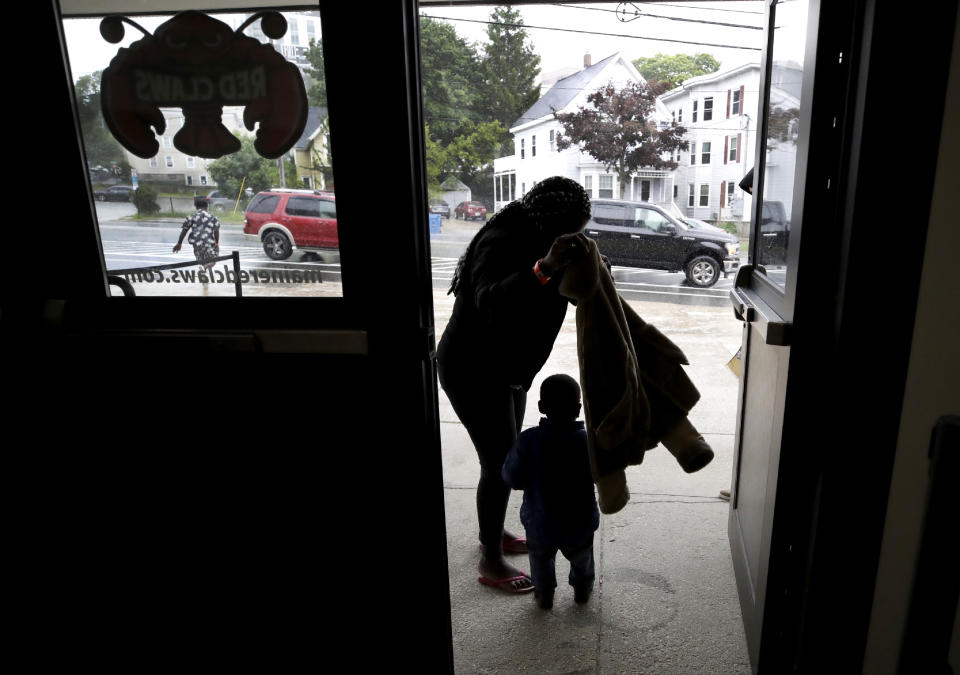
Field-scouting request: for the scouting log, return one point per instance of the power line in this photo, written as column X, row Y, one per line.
column 639, row 14
column 710, row 9
column 589, row 32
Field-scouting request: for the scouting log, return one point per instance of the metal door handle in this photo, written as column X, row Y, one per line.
column 635, row 236
column 593, row 232
column 742, row 308
column 748, row 307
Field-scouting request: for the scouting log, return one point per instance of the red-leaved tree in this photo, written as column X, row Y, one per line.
column 618, row 130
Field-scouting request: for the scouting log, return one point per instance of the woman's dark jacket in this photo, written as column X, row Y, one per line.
column 504, row 321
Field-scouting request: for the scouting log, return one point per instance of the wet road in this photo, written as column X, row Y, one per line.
column 136, row 245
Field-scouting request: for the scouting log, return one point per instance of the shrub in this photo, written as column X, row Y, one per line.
column 145, row 199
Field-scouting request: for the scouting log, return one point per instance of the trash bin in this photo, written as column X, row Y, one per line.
column 434, row 223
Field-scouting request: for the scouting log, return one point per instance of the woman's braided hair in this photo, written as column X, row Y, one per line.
column 555, row 206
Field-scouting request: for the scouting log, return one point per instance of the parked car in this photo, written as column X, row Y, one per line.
column 441, row 207
column 115, row 193
column 221, row 202
column 285, row 219
column 638, row 234
column 470, row 210
column 697, row 224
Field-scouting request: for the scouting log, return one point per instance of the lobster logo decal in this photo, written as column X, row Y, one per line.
column 199, row 64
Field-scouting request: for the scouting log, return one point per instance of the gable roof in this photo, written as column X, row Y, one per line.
column 563, row 92
column 315, row 117
column 710, row 78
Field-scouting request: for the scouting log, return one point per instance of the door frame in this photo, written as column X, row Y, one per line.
column 843, row 399
column 318, row 520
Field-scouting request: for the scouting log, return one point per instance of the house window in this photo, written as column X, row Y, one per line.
column 505, row 187
column 153, row 162
column 673, row 116
column 523, row 148
column 294, row 31
column 705, row 151
column 680, row 116
column 693, row 153
column 189, row 179
column 166, row 142
column 705, row 194
column 311, row 31
column 533, row 146
column 606, row 187
column 191, row 162
column 730, row 193
column 203, row 180
column 169, row 159
column 708, row 109
column 691, row 199
column 676, row 191
column 694, row 112
column 735, row 103
column 552, row 141
column 588, row 185
column 734, row 149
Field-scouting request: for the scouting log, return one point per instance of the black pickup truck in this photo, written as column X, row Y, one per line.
column 638, row 234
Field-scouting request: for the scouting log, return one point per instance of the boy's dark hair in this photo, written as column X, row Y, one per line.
column 560, row 397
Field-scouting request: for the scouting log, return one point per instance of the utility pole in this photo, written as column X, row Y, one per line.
column 283, row 179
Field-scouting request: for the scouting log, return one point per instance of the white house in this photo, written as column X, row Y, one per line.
column 720, row 113
column 536, row 155
column 171, row 165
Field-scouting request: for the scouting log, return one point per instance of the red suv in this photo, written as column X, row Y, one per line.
column 470, row 210
column 284, row 219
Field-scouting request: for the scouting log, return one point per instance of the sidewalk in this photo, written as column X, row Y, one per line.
column 666, row 600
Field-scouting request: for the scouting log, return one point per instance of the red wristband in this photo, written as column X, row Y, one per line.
column 540, row 275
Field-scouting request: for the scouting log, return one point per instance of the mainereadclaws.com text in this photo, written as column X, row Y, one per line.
column 225, row 276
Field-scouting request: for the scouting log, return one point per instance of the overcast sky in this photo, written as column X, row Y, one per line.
column 557, row 48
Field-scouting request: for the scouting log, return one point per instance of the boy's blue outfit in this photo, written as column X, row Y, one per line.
column 551, row 464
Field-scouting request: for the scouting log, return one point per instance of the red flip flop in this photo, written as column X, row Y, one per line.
column 506, row 586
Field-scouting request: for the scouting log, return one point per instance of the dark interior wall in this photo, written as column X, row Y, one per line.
column 930, row 393
column 847, row 433
column 180, row 494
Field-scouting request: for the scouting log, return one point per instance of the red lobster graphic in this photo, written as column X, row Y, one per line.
column 199, row 64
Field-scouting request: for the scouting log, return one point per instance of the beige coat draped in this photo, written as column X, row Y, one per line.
column 634, row 386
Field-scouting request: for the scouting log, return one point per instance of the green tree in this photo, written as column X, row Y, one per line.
column 510, row 69
column 317, row 94
column 436, row 160
column 617, row 130
column 472, row 152
column 145, row 199
column 450, row 77
column 229, row 171
column 101, row 147
column 674, row 69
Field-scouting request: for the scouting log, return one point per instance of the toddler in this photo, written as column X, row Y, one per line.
column 550, row 463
